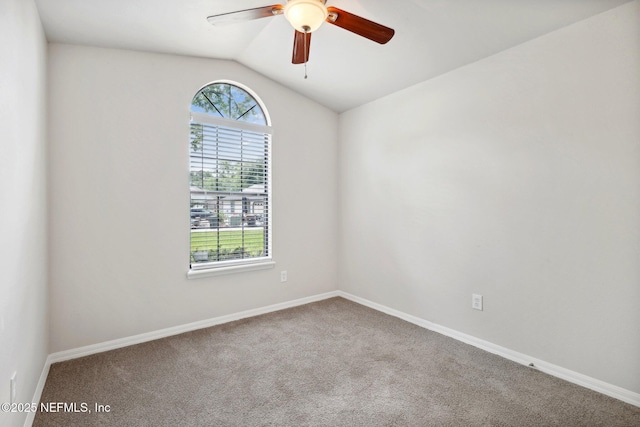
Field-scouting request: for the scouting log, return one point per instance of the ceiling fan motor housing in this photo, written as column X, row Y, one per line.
column 306, row 16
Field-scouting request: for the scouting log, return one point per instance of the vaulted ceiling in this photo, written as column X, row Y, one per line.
column 432, row 37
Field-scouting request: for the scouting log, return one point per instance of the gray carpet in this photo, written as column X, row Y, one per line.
column 330, row 363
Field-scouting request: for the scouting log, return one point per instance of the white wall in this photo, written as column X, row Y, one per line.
column 23, row 208
column 119, row 126
column 516, row 177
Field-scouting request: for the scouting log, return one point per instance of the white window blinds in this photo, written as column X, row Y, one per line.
column 230, row 192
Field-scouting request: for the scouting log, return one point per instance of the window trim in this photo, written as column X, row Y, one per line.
column 218, row 268
column 263, row 264
column 221, row 121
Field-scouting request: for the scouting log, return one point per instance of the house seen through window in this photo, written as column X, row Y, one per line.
column 229, row 164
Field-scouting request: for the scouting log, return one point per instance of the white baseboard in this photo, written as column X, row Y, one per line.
column 551, row 369
column 163, row 333
column 548, row 368
column 39, row 387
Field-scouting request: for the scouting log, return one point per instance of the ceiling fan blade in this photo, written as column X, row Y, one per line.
column 301, row 48
column 360, row 26
column 246, row 15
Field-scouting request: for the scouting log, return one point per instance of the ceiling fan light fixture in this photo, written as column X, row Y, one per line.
column 306, row 15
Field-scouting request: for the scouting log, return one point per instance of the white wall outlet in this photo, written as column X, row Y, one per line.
column 283, row 276
column 476, row 302
column 12, row 387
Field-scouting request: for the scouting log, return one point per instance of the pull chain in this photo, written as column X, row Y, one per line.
column 306, row 51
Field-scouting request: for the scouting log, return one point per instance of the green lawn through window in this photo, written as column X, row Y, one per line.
column 228, row 240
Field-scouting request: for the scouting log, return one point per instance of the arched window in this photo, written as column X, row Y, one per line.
column 230, row 170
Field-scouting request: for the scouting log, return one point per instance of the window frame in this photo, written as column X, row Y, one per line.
column 214, row 268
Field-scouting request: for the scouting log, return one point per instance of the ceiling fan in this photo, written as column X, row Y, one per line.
column 306, row 16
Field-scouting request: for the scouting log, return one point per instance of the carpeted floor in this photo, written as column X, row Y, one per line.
column 330, row 363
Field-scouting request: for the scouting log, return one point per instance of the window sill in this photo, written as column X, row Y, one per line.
column 219, row 271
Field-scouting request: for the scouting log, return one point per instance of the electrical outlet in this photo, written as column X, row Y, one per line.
column 12, row 387
column 476, row 302
column 283, row 276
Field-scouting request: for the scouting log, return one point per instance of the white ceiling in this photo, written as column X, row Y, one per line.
column 345, row 70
